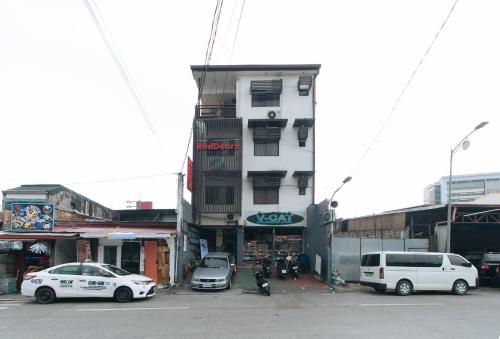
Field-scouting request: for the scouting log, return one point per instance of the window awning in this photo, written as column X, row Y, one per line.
column 303, row 122
column 4, row 235
column 279, row 174
column 266, row 86
column 303, row 173
column 266, row 178
column 121, row 233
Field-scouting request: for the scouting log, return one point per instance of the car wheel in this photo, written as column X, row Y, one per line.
column 229, row 284
column 45, row 295
column 404, row 288
column 123, row 295
column 460, row 287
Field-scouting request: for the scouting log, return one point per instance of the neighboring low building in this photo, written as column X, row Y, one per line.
column 464, row 188
column 46, row 225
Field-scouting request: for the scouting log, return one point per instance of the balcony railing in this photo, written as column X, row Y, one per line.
column 215, row 111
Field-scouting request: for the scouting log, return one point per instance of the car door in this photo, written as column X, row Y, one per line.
column 458, row 268
column 430, row 272
column 96, row 282
column 64, row 280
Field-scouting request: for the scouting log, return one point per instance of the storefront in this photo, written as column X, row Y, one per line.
column 270, row 234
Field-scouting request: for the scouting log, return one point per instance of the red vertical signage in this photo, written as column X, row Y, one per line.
column 190, row 175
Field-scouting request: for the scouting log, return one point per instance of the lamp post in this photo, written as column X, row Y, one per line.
column 465, row 144
column 332, row 204
column 346, row 180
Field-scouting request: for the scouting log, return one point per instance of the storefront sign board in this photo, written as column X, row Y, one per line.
column 32, row 217
column 275, row 218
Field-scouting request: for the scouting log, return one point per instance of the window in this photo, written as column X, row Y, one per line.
column 266, row 195
column 399, row 260
column 265, row 99
column 428, row 260
column 219, row 195
column 94, row 271
column 492, row 258
column 267, row 148
column 70, row 269
column 455, row 260
column 208, row 262
column 370, row 260
column 116, row 270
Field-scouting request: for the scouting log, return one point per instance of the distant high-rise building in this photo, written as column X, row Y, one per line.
column 464, row 188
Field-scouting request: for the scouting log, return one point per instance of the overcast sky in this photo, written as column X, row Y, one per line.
column 67, row 116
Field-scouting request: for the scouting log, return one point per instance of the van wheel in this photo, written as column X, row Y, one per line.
column 45, row 295
column 460, row 287
column 404, row 288
column 123, row 295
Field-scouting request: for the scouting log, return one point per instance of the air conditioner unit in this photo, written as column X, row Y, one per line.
column 273, row 114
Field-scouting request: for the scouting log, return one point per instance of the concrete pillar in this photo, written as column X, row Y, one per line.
column 239, row 245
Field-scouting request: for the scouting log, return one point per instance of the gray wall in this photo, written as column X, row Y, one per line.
column 317, row 236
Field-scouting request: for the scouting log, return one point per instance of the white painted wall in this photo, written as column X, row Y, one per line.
column 291, row 157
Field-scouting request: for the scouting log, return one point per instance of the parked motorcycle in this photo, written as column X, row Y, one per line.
column 263, row 264
column 262, row 283
column 293, row 266
column 281, row 266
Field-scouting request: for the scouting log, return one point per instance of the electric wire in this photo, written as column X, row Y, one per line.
column 379, row 132
column 118, row 59
column 208, row 55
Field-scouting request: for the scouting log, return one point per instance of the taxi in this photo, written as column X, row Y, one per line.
column 80, row 280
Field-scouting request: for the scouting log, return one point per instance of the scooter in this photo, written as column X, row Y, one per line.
column 267, row 267
column 281, row 266
column 293, row 266
column 262, row 283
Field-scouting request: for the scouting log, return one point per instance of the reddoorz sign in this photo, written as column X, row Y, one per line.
column 216, row 146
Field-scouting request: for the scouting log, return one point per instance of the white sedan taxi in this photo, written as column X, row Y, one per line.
column 87, row 279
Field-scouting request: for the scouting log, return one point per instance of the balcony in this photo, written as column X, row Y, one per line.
column 215, row 111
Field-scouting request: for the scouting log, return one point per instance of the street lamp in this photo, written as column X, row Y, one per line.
column 465, row 144
column 334, row 203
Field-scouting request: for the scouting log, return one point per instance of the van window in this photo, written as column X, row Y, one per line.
column 455, row 260
column 492, row 258
column 400, row 260
column 428, row 260
column 370, row 260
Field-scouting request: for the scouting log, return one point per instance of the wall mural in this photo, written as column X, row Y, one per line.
column 32, row 217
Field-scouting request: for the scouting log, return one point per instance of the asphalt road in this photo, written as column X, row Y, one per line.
column 233, row 314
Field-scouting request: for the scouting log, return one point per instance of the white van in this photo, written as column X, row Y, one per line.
column 405, row 272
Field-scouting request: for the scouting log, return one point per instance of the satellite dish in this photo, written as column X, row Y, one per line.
column 334, row 204
column 466, row 144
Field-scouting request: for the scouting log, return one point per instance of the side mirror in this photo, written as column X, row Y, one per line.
column 469, row 264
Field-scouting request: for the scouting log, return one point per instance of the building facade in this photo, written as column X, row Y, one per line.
column 46, row 225
column 253, row 157
column 464, row 188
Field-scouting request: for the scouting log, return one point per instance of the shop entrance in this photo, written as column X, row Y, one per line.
column 269, row 242
column 131, row 255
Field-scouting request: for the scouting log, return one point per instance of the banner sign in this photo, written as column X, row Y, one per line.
column 203, row 248
column 275, row 218
column 32, row 217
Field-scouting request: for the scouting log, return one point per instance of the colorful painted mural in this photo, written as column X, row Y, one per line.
column 32, row 217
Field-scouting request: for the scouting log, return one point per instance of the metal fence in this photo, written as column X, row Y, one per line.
column 347, row 252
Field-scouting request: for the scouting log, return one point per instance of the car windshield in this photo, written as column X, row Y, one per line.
column 492, row 257
column 208, row 262
column 116, row 270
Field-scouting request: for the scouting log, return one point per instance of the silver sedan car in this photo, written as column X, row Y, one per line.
column 214, row 272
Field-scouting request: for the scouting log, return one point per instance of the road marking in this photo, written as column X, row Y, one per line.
column 130, row 309
column 8, row 305
column 3, row 308
column 379, row 305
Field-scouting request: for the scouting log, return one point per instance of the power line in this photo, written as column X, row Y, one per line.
column 208, row 56
column 234, row 44
column 404, row 90
column 120, row 63
column 120, row 179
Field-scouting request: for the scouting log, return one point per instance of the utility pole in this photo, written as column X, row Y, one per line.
column 179, row 237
